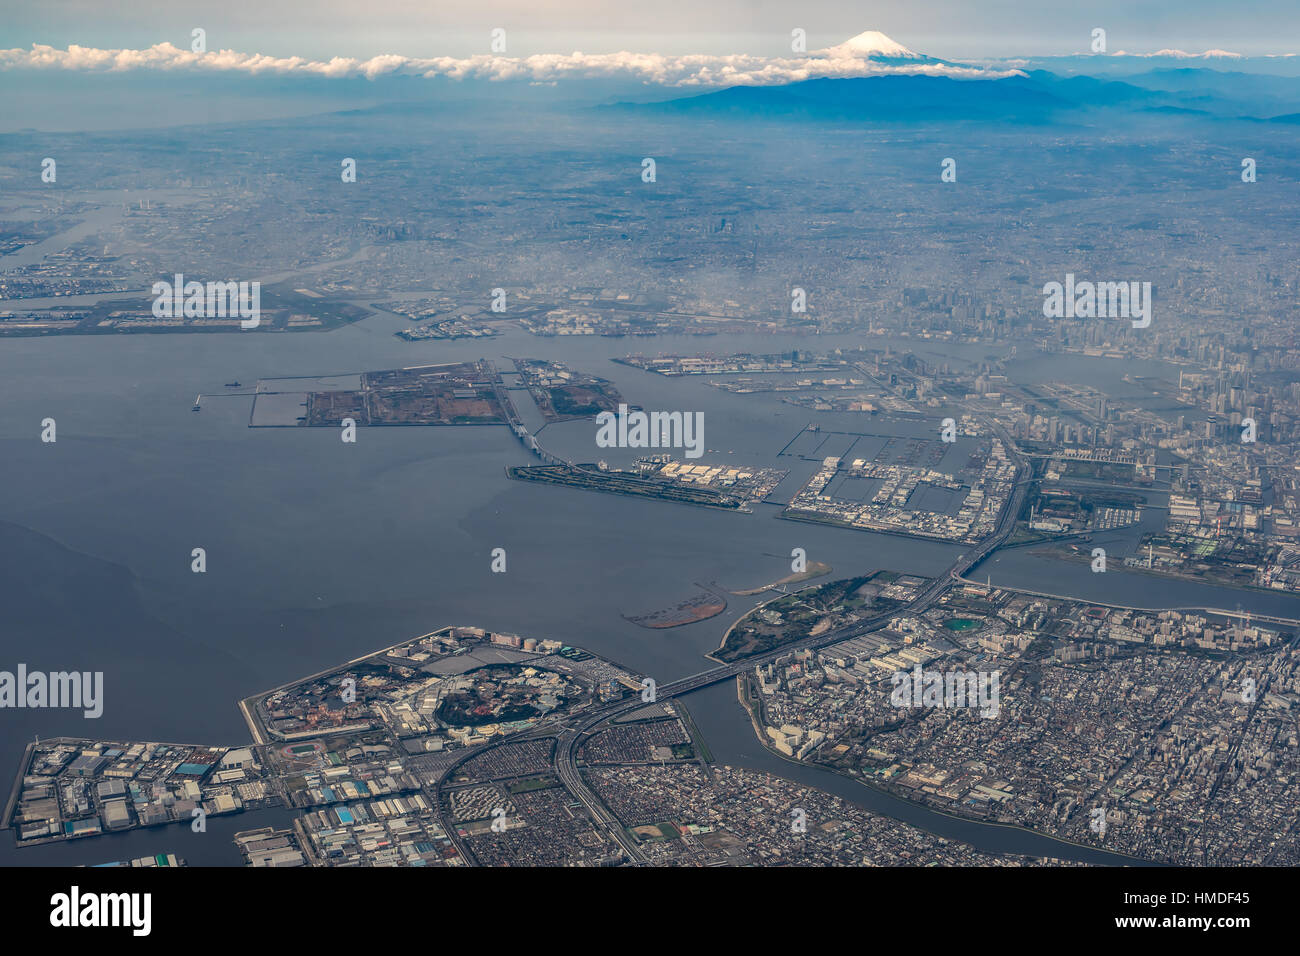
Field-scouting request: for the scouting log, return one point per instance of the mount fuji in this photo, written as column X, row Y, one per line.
column 873, row 78
column 875, row 46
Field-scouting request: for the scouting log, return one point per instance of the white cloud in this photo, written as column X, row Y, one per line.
column 848, row 59
column 1184, row 55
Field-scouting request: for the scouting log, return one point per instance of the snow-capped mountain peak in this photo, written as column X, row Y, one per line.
column 870, row 45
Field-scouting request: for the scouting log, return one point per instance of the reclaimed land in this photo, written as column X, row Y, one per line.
column 800, row 614
column 815, row 570
column 701, row 607
column 620, row 483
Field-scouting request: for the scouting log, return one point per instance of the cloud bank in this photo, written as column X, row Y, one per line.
column 867, row 54
column 848, row 59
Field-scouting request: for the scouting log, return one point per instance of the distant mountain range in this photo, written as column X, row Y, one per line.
column 1035, row 97
column 866, row 78
column 912, row 87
